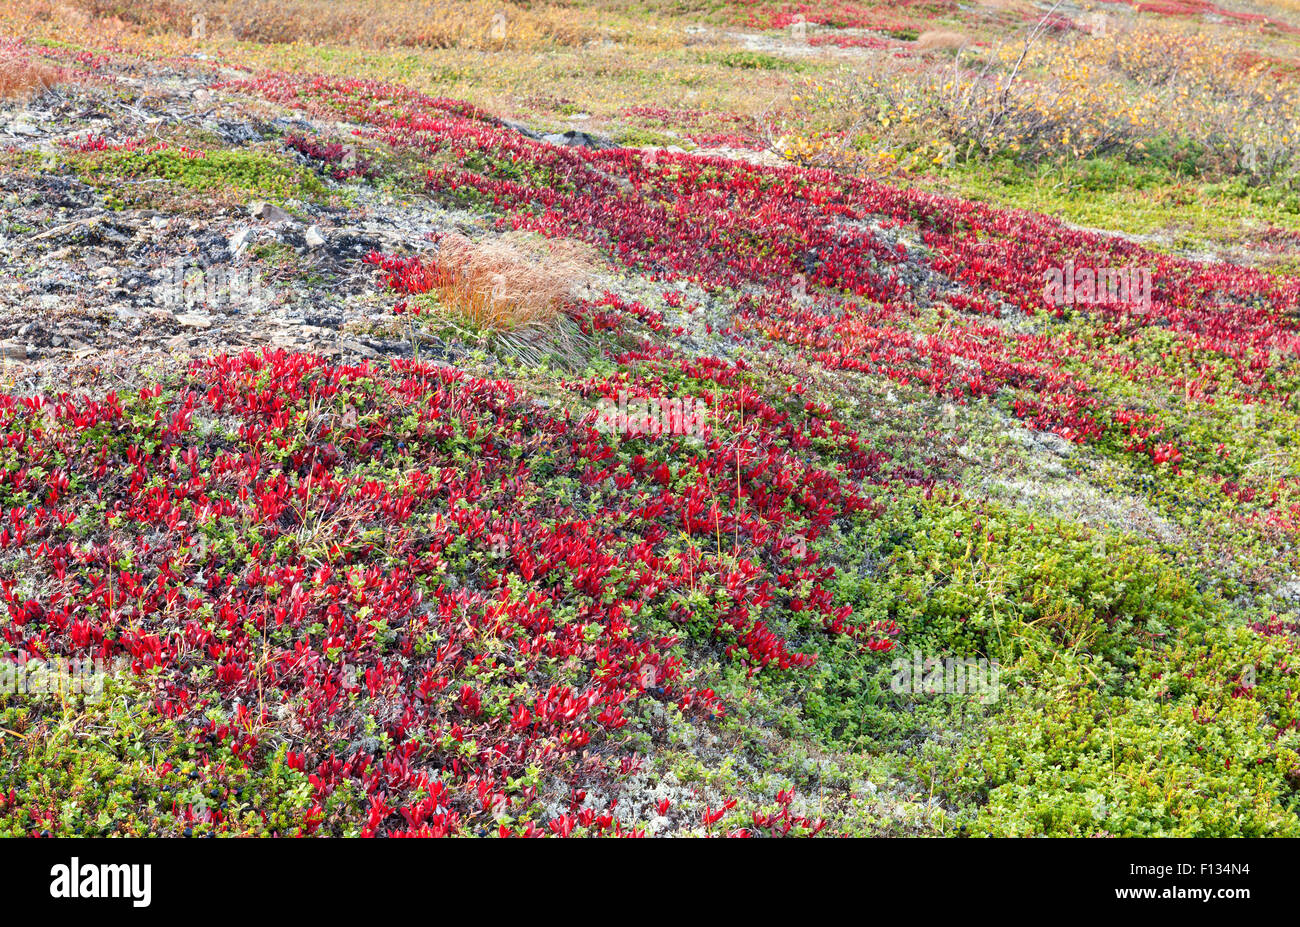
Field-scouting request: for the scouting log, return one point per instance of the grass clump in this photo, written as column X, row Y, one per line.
column 21, row 78
column 492, row 286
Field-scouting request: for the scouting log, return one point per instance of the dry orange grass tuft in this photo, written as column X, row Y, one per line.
column 20, row 77
column 937, row 38
column 496, row 286
column 577, row 257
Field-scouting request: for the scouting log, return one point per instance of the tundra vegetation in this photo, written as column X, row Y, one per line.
column 986, row 319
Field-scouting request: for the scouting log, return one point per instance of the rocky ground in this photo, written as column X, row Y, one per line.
column 88, row 284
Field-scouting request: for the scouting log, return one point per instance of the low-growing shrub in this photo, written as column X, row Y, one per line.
column 241, row 171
